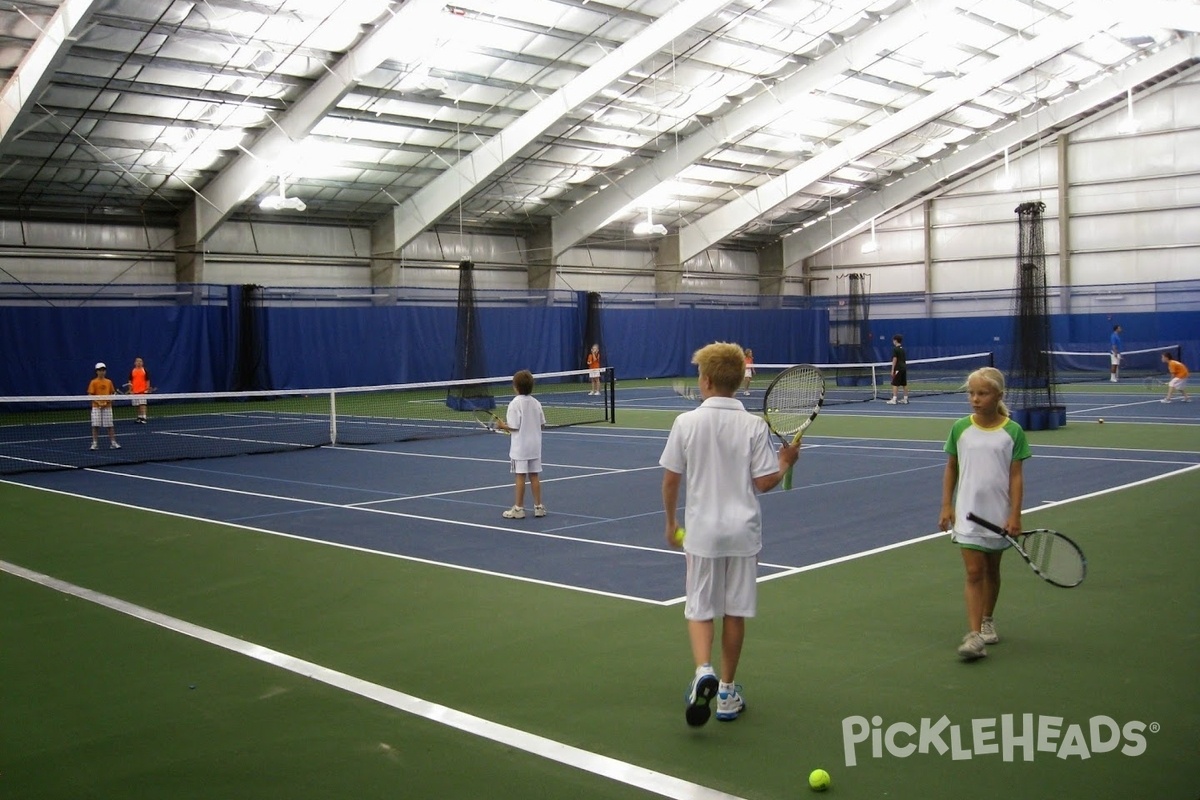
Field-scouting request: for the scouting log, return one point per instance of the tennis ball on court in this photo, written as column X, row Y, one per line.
column 679, row 534
column 818, row 780
column 1101, row 420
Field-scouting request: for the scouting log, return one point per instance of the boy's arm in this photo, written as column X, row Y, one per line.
column 949, row 481
column 670, row 495
column 788, row 455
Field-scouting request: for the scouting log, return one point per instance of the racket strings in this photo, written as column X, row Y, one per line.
column 793, row 397
column 1054, row 557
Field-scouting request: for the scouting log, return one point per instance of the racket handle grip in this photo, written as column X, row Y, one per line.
column 991, row 526
column 787, row 478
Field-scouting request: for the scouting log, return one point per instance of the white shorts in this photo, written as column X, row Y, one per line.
column 720, row 587
column 1115, row 358
column 102, row 417
column 991, row 542
column 528, row 466
column 1177, row 383
column 593, row 374
column 749, row 372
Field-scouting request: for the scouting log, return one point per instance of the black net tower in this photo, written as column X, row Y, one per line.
column 1031, row 371
column 469, row 361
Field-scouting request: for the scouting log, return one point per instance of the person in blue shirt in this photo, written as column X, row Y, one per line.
column 1115, row 352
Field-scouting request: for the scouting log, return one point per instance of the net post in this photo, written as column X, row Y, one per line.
column 611, row 396
column 332, row 417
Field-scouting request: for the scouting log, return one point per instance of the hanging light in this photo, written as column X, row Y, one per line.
column 871, row 246
column 648, row 228
column 1130, row 124
column 275, row 202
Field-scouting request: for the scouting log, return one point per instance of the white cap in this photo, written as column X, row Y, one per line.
column 100, row 365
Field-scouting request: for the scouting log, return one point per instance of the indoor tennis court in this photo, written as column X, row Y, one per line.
column 274, row 273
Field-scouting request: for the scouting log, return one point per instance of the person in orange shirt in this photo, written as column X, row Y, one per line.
column 593, row 365
column 102, row 414
column 1179, row 376
column 139, row 384
column 749, row 371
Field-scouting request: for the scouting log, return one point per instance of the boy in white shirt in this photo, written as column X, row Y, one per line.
column 525, row 421
column 728, row 458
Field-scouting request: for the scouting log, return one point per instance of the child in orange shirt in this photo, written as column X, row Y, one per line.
column 102, row 414
column 1179, row 376
column 593, row 365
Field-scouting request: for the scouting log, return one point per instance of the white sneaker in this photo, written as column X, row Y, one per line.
column 94, row 446
column 700, row 693
column 892, row 402
column 972, row 647
column 1113, row 379
column 904, row 402
column 539, row 511
column 987, row 631
column 114, row 446
column 730, row 704
column 516, row 512
column 1164, row 400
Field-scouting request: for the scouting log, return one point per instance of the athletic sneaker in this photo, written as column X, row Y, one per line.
column 988, row 631
column 892, row 402
column 539, row 511
column 94, row 446
column 516, row 512
column 972, row 647
column 1164, row 400
column 141, row 420
column 701, row 692
column 114, row 446
column 730, row 703
column 904, row 402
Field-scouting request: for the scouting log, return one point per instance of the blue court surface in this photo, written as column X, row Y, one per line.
column 440, row 501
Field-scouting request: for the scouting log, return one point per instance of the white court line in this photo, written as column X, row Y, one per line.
column 568, row 755
column 930, row 536
column 356, row 548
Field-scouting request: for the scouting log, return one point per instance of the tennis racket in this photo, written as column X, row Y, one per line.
column 791, row 403
column 489, row 421
column 684, row 389
column 1052, row 556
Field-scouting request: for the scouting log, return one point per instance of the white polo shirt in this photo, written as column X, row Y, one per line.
column 721, row 448
column 526, row 417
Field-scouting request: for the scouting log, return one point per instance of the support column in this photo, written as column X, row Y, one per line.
column 1064, row 222
column 770, row 271
column 668, row 272
column 384, row 269
column 189, row 254
column 927, row 246
column 541, row 266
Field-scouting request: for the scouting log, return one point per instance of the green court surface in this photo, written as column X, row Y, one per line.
column 100, row 704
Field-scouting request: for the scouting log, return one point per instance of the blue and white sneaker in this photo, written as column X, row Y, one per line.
column 730, row 704
column 701, row 692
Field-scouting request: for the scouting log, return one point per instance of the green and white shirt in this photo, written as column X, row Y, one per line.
column 985, row 457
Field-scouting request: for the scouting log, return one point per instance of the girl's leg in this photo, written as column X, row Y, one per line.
column 976, row 590
column 992, row 582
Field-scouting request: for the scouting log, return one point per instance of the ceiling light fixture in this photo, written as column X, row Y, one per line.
column 648, row 228
column 275, row 202
column 873, row 245
column 1130, row 125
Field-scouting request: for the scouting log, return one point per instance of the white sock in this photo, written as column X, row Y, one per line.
column 705, row 669
column 726, row 688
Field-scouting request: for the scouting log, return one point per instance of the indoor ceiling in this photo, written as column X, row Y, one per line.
column 734, row 123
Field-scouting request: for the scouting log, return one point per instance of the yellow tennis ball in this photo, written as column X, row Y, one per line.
column 1101, row 420
column 679, row 534
column 818, row 780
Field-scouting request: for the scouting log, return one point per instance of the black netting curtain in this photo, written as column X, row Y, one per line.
column 469, row 361
column 1031, row 374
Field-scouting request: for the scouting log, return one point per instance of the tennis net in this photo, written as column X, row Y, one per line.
column 860, row 382
column 52, row 433
column 1082, row 367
